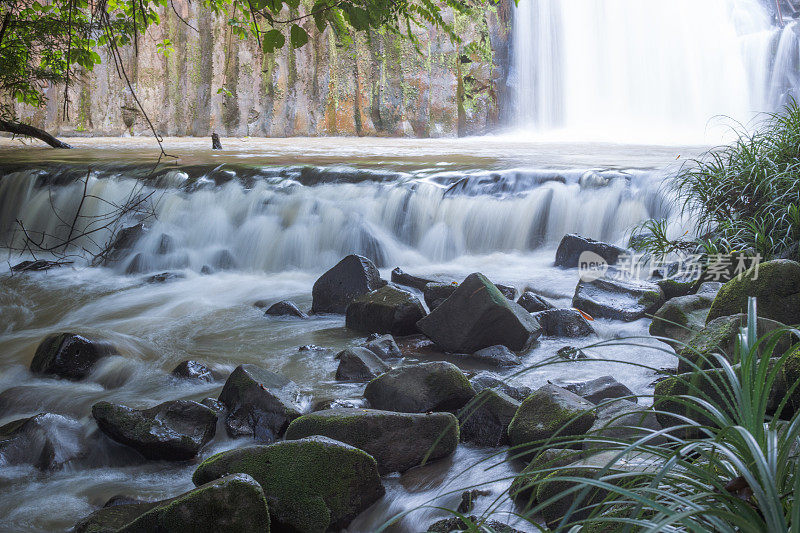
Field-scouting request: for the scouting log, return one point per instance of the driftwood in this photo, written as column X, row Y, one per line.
column 31, row 131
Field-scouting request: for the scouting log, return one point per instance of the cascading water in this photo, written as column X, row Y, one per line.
column 647, row 69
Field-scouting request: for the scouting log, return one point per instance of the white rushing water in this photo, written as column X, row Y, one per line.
column 648, row 69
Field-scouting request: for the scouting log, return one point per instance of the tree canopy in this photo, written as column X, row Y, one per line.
column 48, row 42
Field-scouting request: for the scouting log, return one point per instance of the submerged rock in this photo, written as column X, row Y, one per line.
column 420, row 388
column 223, row 260
column 485, row 419
column 572, row 246
column 499, row 356
column 533, row 303
column 260, row 403
column 626, row 300
column 285, row 308
column 488, row 380
column 387, row 310
column 776, row 285
column 397, row 441
column 384, row 346
column 231, row 503
column 46, row 441
column 418, row 282
column 312, row 485
column 165, row 277
column 477, row 316
column 174, row 430
column 70, row 355
column 359, row 364
column 194, row 371
column 549, row 411
column 563, row 323
column 124, row 241
column 602, row 388
column 350, row 278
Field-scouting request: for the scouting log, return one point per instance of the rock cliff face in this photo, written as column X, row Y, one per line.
column 378, row 85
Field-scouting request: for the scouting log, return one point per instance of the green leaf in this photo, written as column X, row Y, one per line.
column 320, row 11
column 298, row 36
column 358, row 17
column 294, row 4
column 258, row 5
column 273, row 40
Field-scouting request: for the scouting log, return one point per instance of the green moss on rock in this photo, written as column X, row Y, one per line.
column 548, row 411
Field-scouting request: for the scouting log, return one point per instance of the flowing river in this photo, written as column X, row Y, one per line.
column 261, row 221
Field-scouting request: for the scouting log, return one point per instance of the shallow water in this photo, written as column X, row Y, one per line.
column 283, row 234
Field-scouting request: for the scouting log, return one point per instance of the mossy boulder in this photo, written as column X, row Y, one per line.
column 776, row 285
column 350, row 278
column 550, row 410
column 70, row 355
column 679, row 318
column 456, row 524
column 618, row 299
column 477, row 316
column 600, row 389
column 489, row 380
column 387, row 310
column 563, row 323
column 523, row 488
column 420, row 388
column 397, row 441
column 720, row 336
column 485, row 419
column 359, row 364
column 533, row 303
column 260, row 403
column 621, row 420
column 46, row 441
column 231, row 503
column 572, row 246
column 174, row 430
column 311, row 485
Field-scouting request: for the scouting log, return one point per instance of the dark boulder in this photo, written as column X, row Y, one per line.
column 488, row 380
column 284, row 308
column 572, row 246
column 602, row 388
column 384, row 346
column 223, row 260
column 485, row 419
column 387, row 310
column 679, row 318
column 350, row 278
column 507, row 291
column 338, row 403
column 533, row 303
column 314, row 484
column 571, row 353
column 617, row 299
column 166, row 245
column 216, row 406
column 563, row 323
column 776, row 285
column 46, row 441
column 418, row 282
column 468, row 499
column 359, row 364
column 548, row 412
column 165, row 277
column 174, row 430
column 260, row 403
column 124, row 241
column 477, row 316
column 436, row 293
column 621, row 420
column 420, row 388
column 397, row 441
column 70, row 355
column 194, row 371
column 498, row 356
column 231, row 503
column 39, row 265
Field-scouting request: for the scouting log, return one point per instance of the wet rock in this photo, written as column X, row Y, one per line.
column 563, row 323
column 572, row 246
column 69, row 355
column 468, row 498
column 484, row 420
column 359, row 364
column 387, row 310
column 720, row 336
column 776, row 285
column 626, row 300
column 621, row 420
column 194, row 371
column 456, row 524
column 165, row 277
column 231, row 503
column 571, row 353
column 499, row 356
column 284, row 308
column 477, row 316
column 46, row 441
column 397, row 441
column 313, row 484
column 166, row 245
column 548, row 411
column 436, row 293
column 679, row 318
column 36, row 266
column 602, row 388
column 420, row 388
column 533, row 303
column 260, row 403
column 216, row 406
column 216, row 144
column 523, row 489
column 339, row 403
column 384, row 346
column 507, row 291
column 174, row 430
column 418, row 282
column 223, row 260
column 488, row 380
column 352, row 277
column 137, row 265
column 124, row 242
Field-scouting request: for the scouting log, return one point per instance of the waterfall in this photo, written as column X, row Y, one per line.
column 636, row 69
